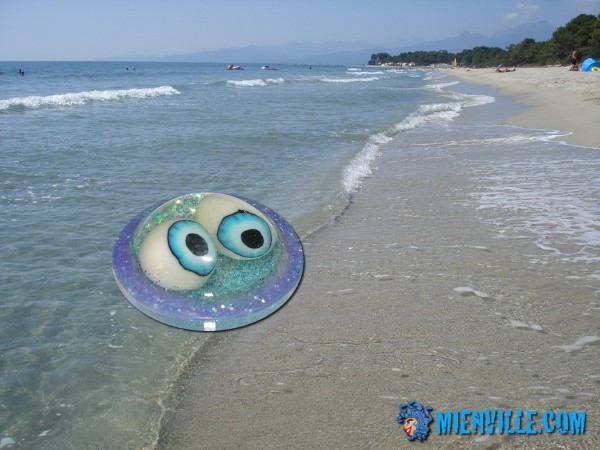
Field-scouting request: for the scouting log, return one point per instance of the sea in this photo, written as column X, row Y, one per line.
column 86, row 146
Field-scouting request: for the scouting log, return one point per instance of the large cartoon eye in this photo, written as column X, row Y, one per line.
column 192, row 246
column 240, row 230
column 178, row 254
column 245, row 234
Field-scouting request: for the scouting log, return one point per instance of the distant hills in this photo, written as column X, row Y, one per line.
column 352, row 52
column 539, row 31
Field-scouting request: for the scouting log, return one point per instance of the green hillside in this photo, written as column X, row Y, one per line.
column 582, row 32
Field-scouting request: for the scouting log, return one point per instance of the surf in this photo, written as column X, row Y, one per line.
column 258, row 82
column 83, row 98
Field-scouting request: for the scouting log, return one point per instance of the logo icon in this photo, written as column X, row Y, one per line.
column 415, row 419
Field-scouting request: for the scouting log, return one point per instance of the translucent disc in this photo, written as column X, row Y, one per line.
column 208, row 262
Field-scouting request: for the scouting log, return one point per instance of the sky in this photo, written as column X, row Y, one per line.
column 64, row 30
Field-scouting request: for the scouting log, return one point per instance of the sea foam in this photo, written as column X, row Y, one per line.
column 347, row 80
column 432, row 113
column 82, row 98
column 360, row 166
column 258, row 82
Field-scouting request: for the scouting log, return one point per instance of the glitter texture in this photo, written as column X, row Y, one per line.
column 238, row 293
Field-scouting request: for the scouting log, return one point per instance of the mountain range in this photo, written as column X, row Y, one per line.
column 353, row 52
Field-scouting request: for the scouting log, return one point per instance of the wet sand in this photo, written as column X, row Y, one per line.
column 409, row 295
column 412, row 295
column 557, row 99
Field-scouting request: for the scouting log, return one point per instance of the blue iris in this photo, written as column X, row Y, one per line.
column 193, row 246
column 245, row 234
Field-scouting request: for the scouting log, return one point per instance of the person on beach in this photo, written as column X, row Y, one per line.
column 574, row 57
column 498, row 69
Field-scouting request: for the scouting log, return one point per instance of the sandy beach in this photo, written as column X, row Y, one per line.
column 416, row 292
column 557, row 99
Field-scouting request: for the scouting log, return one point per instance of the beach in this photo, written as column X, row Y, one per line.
column 556, row 99
column 463, row 275
column 451, row 259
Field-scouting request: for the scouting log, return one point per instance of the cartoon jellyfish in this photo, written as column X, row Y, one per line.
column 208, row 261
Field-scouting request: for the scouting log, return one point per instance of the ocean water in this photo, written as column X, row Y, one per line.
column 84, row 147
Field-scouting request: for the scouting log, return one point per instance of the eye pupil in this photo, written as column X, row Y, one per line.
column 196, row 244
column 253, row 238
column 244, row 235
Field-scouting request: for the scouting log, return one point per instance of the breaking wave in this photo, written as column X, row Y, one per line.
column 82, row 98
column 361, row 165
column 347, row 80
column 258, row 82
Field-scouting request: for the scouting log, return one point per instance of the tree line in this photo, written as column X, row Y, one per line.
column 582, row 32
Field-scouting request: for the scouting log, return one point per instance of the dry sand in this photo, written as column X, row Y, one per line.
column 558, row 99
column 409, row 295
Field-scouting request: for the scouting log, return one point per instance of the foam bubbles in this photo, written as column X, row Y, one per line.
column 362, row 74
column 82, row 98
column 441, row 86
column 553, row 201
column 525, row 325
column 579, row 343
column 360, row 166
column 258, row 82
column 431, row 113
column 6, row 441
column 348, row 80
column 467, row 290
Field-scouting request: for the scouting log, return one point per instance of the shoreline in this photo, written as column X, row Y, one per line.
column 407, row 295
column 557, row 99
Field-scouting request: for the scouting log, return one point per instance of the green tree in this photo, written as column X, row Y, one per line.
column 594, row 41
column 380, row 58
column 577, row 34
column 523, row 53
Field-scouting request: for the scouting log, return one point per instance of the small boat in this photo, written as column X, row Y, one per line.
column 232, row 67
column 269, row 68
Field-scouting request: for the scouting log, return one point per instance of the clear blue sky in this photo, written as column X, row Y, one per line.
column 96, row 29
